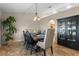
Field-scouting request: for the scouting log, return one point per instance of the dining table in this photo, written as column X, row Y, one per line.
column 38, row 37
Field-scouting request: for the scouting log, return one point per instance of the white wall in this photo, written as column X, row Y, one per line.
column 0, row 15
column 0, row 28
column 23, row 21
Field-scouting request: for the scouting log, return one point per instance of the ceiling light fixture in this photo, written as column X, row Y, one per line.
column 54, row 12
column 36, row 14
column 69, row 6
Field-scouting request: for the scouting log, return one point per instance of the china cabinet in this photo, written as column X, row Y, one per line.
column 68, row 32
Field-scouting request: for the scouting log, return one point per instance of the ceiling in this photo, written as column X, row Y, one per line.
column 44, row 9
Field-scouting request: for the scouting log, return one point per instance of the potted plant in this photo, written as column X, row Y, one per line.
column 9, row 28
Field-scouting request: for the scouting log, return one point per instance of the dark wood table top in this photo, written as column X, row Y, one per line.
column 38, row 37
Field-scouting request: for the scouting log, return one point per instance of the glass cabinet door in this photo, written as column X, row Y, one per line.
column 74, row 30
column 61, row 29
column 71, row 30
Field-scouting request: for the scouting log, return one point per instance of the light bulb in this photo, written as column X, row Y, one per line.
column 69, row 6
column 54, row 12
column 35, row 18
column 38, row 18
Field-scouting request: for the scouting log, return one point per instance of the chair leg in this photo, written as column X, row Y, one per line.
column 51, row 50
column 27, row 47
column 31, row 52
column 24, row 43
column 44, row 52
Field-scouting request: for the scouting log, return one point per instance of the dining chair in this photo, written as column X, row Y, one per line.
column 31, row 44
column 48, row 40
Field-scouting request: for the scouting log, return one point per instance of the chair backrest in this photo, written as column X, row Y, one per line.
column 49, row 38
column 29, row 38
column 24, row 34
